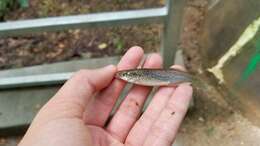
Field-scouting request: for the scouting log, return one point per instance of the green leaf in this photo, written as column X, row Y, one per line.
column 24, row 3
column 3, row 5
column 119, row 44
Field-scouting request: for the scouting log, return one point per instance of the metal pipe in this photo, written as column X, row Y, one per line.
column 82, row 21
column 172, row 30
column 34, row 80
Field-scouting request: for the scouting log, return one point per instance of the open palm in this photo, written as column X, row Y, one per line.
column 78, row 115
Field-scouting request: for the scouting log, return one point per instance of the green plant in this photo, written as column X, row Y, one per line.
column 119, row 44
column 5, row 5
column 24, row 3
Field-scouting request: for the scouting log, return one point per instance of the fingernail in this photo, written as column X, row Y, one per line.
column 136, row 49
column 154, row 55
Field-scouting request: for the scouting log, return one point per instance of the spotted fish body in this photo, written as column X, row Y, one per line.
column 155, row 77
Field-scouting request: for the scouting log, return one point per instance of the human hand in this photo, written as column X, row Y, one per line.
column 78, row 114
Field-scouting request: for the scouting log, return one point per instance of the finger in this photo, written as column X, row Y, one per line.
column 131, row 107
column 141, row 128
column 73, row 97
column 164, row 130
column 100, row 108
column 179, row 67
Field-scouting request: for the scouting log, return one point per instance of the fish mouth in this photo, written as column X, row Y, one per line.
column 119, row 75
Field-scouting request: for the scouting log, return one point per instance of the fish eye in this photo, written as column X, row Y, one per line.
column 130, row 74
column 126, row 73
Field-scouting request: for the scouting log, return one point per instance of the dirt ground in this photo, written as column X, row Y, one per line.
column 211, row 121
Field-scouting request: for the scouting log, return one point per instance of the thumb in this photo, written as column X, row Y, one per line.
column 85, row 83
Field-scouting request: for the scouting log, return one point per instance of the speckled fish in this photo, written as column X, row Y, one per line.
column 154, row 77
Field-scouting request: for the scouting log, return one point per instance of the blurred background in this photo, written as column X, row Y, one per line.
column 219, row 43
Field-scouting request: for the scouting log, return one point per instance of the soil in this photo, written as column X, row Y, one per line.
column 212, row 120
column 75, row 44
column 193, row 26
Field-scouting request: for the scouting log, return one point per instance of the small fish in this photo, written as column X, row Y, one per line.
column 154, row 77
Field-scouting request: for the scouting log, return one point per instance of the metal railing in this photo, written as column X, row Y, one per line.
column 170, row 16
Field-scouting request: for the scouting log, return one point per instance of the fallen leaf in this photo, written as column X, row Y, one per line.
column 61, row 45
column 102, row 46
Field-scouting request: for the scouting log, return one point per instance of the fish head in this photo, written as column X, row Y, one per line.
column 129, row 75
